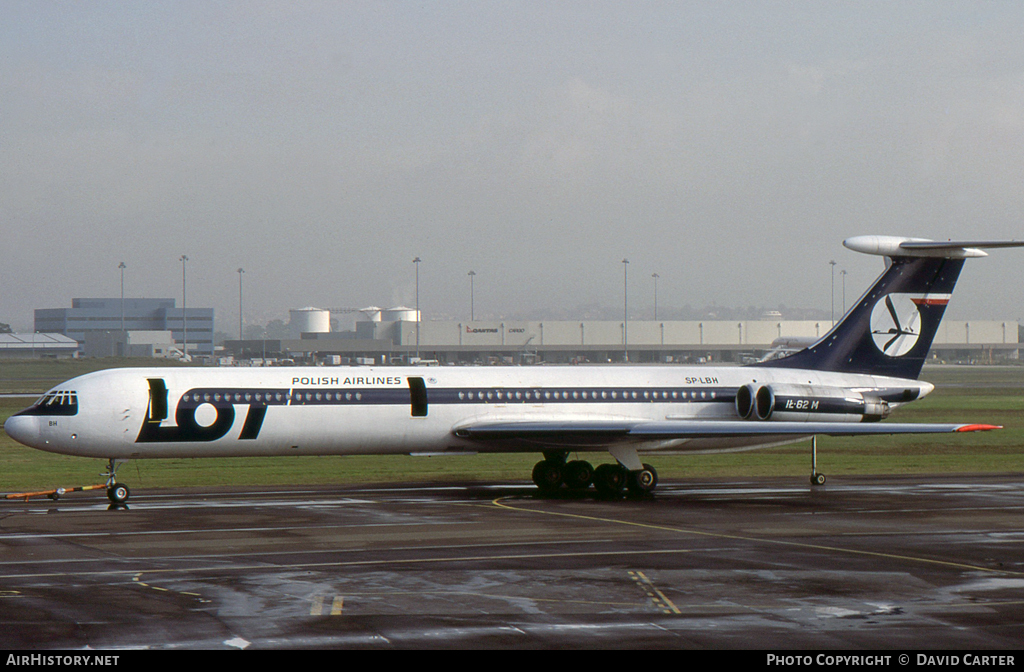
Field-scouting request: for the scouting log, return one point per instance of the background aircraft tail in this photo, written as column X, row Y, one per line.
column 890, row 329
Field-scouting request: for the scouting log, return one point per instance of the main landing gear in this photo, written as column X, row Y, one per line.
column 117, row 493
column 609, row 480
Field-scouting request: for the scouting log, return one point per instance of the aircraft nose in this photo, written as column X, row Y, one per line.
column 23, row 429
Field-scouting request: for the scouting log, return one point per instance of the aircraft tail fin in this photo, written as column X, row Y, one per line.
column 890, row 329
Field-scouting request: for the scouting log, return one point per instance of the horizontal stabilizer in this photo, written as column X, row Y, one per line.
column 897, row 246
column 954, row 245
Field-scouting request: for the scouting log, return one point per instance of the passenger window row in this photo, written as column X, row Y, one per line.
column 274, row 397
column 450, row 396
column 541, row 395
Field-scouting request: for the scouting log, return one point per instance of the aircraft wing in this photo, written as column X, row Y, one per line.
column 600, row 432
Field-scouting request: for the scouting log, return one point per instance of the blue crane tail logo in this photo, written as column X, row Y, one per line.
column 896, row 321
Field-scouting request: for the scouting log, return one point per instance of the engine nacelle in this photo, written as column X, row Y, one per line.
column 745, row 400
column 799, row 403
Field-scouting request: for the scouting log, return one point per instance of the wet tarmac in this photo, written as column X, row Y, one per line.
column 861, row 563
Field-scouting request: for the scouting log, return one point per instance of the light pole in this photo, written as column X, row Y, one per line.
column 833, row 297
column 184, row 305
column 240, row 271
column 122, row 267
column 625, row 310
column 655, row 276
column 842, row 273
column 472, row 314
column 416, row 261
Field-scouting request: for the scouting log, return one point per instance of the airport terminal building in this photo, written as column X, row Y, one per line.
column 154, row 327
column 598, row 341
column 95, row 319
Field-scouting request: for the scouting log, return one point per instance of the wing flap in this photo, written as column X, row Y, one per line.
column 554, row 432
column 583, row 432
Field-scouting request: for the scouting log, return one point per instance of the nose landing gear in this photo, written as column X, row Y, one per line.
column 117, row 493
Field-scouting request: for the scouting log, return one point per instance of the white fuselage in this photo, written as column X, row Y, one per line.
column 204, row 412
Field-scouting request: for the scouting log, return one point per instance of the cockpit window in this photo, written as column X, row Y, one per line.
column 58, row 398
column 55, row 402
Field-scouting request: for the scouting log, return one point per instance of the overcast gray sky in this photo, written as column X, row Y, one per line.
column 728, row 147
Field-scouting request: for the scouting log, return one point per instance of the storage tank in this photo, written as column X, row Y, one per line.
column 399, row 314
column 310, row 320
column 371, row 314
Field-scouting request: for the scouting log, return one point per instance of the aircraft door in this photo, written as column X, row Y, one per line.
column 418, row 397
column 157, row 400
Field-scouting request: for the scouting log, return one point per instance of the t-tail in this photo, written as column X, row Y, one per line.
column 891, row 328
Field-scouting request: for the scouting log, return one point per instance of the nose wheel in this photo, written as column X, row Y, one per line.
column 117, row 493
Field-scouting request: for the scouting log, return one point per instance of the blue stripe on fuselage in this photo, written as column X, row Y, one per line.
column 445, row 395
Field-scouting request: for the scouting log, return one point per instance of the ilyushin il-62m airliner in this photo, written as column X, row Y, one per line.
column 844, row 384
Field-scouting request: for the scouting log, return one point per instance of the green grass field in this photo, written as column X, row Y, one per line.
column 993, row 395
